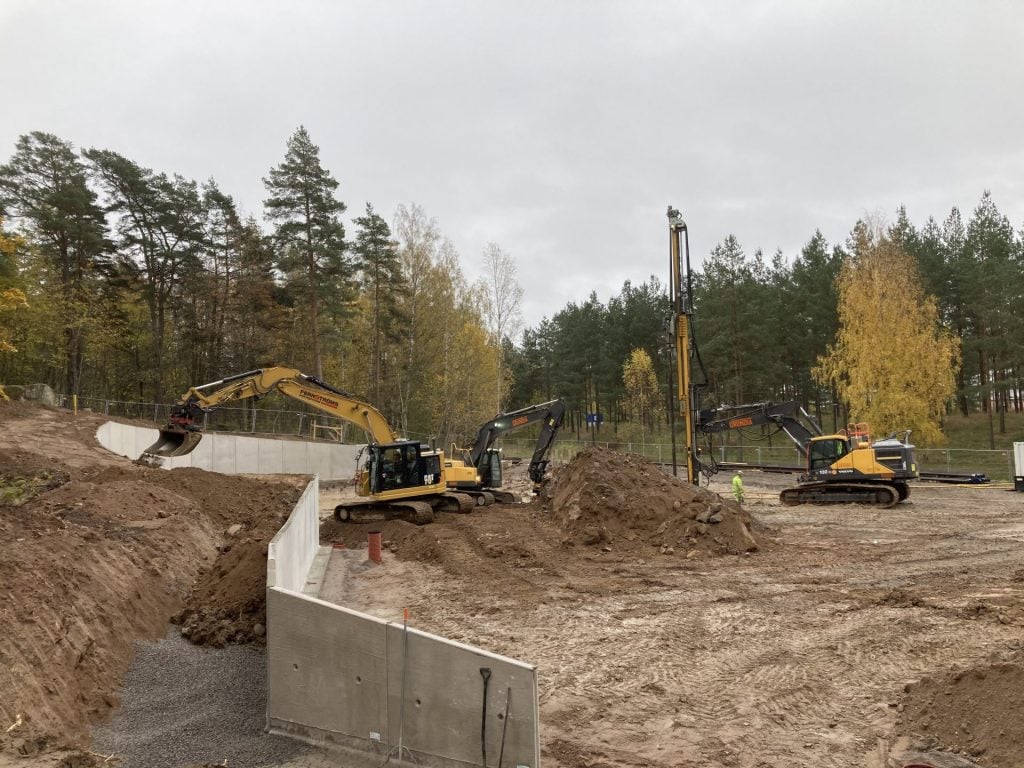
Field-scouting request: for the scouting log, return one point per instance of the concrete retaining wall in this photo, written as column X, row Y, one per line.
column 336, row 676
column 291, row 551
column 344, row 678
column 375, row 689
column 239, row 454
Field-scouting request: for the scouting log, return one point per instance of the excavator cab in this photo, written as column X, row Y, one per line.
column 399, row 466
column 490, row 468
column 823, row 452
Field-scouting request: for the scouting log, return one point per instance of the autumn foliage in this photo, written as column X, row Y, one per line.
column 892, row 362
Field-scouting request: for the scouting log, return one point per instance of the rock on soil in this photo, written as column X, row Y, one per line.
column 603, row 496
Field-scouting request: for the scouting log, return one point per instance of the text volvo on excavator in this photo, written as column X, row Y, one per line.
column 478, row 471
column 395, row 478
column 839, row 469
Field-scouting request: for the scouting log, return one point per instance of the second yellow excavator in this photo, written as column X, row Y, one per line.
column 395, row 478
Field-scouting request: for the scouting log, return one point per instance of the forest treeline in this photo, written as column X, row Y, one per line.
column 763, row 324
column 123, row 282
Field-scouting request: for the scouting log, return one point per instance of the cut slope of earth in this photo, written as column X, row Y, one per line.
column 99, row 552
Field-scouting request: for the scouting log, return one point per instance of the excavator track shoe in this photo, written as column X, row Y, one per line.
column 460, row 503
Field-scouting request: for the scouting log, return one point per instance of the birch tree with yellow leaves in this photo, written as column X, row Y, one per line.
column 892, row 363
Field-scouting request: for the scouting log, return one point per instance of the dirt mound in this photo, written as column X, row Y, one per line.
column 975, row 712
column 603, row 496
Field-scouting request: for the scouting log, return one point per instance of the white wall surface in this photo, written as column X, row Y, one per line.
column 239, row 454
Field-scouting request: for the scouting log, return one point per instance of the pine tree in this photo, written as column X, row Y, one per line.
column 383, row 285
column 44, row 184
column 309, row 234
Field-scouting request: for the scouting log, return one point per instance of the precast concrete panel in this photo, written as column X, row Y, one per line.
column 320, row 458
column 224, row 449
column 247, row 453
column 293, row 548
column 140, row 440
column 445, row 715
column 326, row 672
column 270, row 456
column 295, row 458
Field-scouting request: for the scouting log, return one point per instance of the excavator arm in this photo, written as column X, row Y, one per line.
column 790, row 417
column 551, row 412
column 175, row 439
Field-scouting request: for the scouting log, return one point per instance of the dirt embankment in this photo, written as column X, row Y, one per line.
column 99, row 553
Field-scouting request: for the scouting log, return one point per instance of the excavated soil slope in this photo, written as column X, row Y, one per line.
column 99, row 552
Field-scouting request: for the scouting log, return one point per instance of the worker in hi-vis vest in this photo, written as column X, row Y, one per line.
column 737, row 486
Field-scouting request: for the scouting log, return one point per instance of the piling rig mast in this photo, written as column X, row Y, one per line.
column 685, row 348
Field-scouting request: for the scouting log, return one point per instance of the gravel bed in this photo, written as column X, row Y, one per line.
column 183, row 705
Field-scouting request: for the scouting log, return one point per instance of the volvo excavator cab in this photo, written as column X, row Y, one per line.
column 823, row 452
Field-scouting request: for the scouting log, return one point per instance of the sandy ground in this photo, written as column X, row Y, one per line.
column 848, row 637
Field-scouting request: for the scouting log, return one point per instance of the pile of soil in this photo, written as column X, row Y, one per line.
column 603, row 496
column 99, row 553
column 227, row 604
column 974, row 712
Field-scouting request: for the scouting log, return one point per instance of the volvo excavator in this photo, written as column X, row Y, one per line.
column 478, row 471
column 395, row 479
column 840, row 468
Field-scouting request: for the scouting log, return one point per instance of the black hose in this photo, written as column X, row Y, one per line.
column 485, row 673
column 504, row 727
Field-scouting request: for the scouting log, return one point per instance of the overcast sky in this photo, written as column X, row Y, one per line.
column 559, row 130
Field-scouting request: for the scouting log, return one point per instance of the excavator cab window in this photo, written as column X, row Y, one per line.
column 824, row 453
column 395, row 467
column 490, row 468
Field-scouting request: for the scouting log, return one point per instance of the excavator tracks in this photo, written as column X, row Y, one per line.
column 460, row 503
column 876, row 495
column 418, row 512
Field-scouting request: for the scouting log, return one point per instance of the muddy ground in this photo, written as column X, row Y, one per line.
column 774, row 636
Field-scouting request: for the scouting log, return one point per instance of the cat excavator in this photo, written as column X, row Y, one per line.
column 478, row 470
column 839, row 469
column 395, row 478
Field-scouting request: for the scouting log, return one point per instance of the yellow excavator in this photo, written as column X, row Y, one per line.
column 847, row 468
column 478, row 471
column 395, row 478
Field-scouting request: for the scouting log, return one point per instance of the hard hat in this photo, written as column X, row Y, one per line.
column 739, row 471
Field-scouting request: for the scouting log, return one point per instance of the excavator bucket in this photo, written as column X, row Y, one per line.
column 174, row 442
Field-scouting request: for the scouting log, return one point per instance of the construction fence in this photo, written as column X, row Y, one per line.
column 997, row 465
